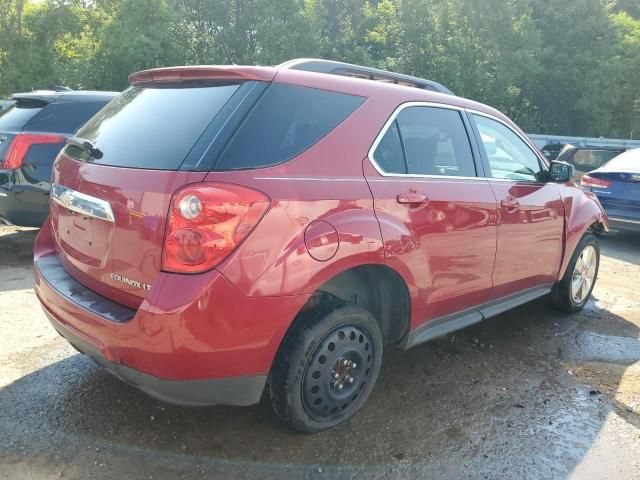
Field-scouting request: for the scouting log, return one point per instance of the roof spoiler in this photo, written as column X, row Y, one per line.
column 358, row 71
column 205, row 72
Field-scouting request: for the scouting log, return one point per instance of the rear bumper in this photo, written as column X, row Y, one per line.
column 222, row 391
column 194, row 340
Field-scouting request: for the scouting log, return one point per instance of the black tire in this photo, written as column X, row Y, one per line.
column 561, row 296
column 305, row 393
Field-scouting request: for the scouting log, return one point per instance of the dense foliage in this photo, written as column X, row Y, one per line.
column 559, row 66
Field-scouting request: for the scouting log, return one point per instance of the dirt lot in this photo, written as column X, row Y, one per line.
column 529, row 394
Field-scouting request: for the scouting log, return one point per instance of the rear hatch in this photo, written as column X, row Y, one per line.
column 129, row 160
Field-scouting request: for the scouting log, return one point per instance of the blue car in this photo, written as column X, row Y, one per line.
column 617, row 186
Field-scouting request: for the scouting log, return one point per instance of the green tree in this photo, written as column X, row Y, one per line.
column 573, row 55
column 557, row 66
column 139, row 36
column 620, row 90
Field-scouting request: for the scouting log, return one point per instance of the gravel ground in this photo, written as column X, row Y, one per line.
column 529, row 394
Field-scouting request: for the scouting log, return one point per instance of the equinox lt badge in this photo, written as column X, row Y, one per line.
column 134, row 283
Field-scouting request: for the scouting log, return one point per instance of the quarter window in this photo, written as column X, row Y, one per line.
column 287, row 120
column 426, row 141
column 389, row 154
column 509, row 156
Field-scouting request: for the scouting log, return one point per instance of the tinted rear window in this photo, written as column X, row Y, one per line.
column 15, row 117
column 286, row 121
column 64, row 117
column 152, row 127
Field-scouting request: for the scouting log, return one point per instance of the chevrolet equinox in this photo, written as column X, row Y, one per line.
column 220, row 232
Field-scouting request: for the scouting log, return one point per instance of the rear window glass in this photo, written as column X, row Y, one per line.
column 286, row 121
column 587, row 160
column 152, row 127
column 16, row 116
column 64, row 117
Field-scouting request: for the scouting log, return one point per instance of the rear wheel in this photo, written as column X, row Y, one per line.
column 573, row 291
column 326, row 367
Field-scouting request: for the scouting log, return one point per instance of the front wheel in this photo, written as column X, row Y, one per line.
column 326, row 367
column 573, row 291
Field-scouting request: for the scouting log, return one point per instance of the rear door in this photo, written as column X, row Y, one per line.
column 438, row 217
column 140, row 143
column 530, row 210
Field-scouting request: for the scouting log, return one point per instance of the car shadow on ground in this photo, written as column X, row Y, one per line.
column 622, row 245
column 16, row 246
column 501, row 396
column 16, row 255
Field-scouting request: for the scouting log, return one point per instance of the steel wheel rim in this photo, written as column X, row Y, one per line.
column 337, row 372
column 584, row 274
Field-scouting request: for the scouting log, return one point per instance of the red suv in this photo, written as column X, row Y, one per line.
column 219, row 232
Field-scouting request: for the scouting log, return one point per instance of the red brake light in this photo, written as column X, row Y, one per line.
column 207, row 222
column 21, row 145
column 587, row 181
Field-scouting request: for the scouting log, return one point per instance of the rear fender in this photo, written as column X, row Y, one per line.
column 318, row 250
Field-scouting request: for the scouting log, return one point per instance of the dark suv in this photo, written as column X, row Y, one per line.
column 587, row 158
column 32, row 132
column 219, row 231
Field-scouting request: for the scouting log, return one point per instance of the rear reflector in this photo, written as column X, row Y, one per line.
column 21, row 145
column 587, row 181
column 207, row 222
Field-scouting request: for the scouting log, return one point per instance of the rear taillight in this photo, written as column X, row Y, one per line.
column 587, row 181
column 207, row 222
column 21, row 145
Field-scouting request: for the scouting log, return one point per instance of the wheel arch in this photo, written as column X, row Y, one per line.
column 374, row 286
column 583, row 213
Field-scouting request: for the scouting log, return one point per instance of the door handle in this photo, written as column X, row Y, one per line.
column 510, row 203
column 412, row 198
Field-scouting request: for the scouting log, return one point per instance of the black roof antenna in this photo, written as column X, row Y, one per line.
column 224, row 45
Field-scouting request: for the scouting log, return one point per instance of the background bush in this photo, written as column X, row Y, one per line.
column 556, row 66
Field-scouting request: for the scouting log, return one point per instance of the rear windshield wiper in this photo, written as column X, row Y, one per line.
column 84, row 145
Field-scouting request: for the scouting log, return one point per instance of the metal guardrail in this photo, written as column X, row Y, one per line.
column 542, row 140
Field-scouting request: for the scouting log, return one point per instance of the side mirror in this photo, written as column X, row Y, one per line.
column 560, row 172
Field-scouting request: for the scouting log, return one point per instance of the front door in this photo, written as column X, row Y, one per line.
column 437, row 216
column 530, row 210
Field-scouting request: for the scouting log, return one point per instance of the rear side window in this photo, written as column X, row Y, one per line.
column 427, row 141
column 16, row 116
column 64, row 117
column 287, row 120
column 152, row 127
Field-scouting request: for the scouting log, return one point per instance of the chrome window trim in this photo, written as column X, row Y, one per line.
column 81, row 203
column 445, row 106
column 386, row 126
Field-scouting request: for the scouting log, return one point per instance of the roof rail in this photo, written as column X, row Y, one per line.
column 358, row 71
